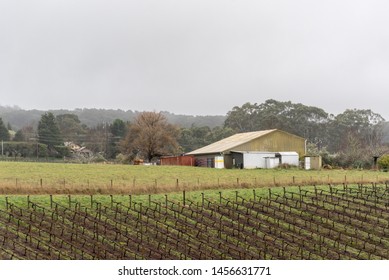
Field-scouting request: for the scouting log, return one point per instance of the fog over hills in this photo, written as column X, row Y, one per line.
column 19, row 118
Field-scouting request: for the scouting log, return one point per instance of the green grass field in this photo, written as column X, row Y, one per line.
column 58, row 178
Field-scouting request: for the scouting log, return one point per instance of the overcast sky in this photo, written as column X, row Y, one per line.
column 193, row 56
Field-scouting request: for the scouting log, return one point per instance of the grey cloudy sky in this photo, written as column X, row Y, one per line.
column 194, row 56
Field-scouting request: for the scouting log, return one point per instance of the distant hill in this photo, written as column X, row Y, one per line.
column 19, row 118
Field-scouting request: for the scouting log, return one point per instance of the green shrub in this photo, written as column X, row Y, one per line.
column 24, row 149
column 62, row 151
column 383, row 162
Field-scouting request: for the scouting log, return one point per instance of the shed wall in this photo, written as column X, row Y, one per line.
column 256, row 160
column 179, row 160
column 276, row 141
column 206, row 160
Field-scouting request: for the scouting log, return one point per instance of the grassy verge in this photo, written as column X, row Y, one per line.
column 58, row 178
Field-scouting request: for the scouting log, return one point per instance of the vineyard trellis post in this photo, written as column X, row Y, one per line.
column 183, row 198
column 300, row 193
column 51, row 201
column 6, row 202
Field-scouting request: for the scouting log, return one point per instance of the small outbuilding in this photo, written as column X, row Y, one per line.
column 257, row 149
column 252, row 160
column 312, row 162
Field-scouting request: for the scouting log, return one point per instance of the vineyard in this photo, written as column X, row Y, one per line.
column 342, row 222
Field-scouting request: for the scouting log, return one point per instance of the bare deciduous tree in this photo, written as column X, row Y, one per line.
column 150, row 136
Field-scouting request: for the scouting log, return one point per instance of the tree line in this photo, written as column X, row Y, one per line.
column 350, row 139
column 93, row 117
column 149, row 136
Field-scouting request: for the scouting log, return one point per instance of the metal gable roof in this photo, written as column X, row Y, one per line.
column 231, row 142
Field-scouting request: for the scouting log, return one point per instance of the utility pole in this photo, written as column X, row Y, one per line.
column 2, row 148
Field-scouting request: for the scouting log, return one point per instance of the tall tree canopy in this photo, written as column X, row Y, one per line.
column 117, row 132
column 302, row 120
column 48, row 131
column 149, row 136
column 71, row 128
column 4, row 134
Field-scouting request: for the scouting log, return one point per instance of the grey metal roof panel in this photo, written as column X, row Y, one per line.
column 231, row 142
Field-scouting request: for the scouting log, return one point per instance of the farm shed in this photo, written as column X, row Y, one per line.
column 250, row 147
column 178, row 160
